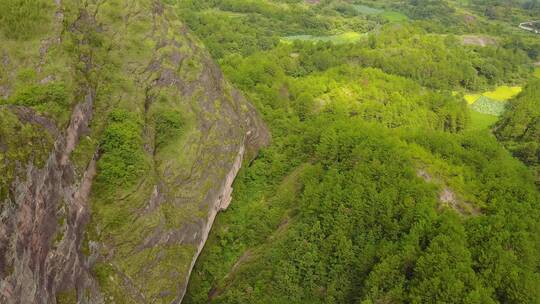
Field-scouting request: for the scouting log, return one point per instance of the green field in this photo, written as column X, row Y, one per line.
column 391, row 16
column 480, row 121
column 348, row 37
column 394, row 16
column 367, row 10
column 537, row 72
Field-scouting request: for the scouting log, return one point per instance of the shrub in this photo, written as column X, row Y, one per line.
column 36, row 95
column 122, row 161
column 168, row 126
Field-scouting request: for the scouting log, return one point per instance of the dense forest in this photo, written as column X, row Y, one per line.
column 376, row 151
column 382, row 185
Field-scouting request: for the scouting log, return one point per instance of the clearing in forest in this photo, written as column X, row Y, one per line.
column 347, row 37
column 391, row 16
column 489, row 106
column 481, row 121
column 485, row 107
column 367, row 10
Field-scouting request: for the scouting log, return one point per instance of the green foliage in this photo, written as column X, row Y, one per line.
column 168, row 125
column 222, row 26
column 519, row 127
column 334, row 211
column 122, row 160
column 360, row 225
column 50, row 99
column 24, row 19
column 39, row 95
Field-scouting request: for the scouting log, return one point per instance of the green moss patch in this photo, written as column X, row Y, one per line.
column 20, row 143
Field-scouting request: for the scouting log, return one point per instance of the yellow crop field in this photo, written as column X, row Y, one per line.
column 503, row 93
column 472, row 98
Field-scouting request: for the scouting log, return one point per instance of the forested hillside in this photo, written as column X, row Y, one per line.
column 384, row 182
column 519, row 127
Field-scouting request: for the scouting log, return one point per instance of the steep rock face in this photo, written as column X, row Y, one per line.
column 40, row 265
column 121, row 205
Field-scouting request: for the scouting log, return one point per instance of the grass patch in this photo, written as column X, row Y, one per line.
column 347, row 37
column 481, row 121
column 537, row 72
column 394, row 16
column 367, row 10
column 388, row 15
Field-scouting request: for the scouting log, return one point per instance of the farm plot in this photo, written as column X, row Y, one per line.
column 391, row 16
column 503, row 93
column 500, row 94
column 480, row 121
column 367, row 10
column 347, row 37
column 486, row 107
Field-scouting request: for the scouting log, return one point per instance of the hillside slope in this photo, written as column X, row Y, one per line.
column 119, row 139
column 519, row 127
column 382, row 185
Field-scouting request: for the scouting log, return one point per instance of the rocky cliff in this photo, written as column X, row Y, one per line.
column 120, row 140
